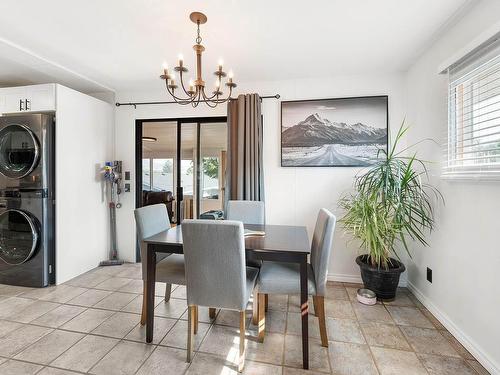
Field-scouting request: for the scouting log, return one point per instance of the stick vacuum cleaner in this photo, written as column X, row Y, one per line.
column 112, row 179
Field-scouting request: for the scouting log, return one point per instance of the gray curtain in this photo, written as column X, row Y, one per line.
column 244, row 170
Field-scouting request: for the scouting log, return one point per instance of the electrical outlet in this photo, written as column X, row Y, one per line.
column 429, row 275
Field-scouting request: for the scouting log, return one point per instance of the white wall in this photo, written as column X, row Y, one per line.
column 84, row 140
column 464, row 251
column 293, row 195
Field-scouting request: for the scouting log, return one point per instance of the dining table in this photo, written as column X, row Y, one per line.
column 280, row 243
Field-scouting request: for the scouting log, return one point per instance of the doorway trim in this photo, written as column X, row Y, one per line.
column 138, row 152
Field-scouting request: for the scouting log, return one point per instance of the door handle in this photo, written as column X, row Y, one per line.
column 21, row 105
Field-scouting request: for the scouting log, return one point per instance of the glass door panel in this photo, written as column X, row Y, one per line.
column 187, row 169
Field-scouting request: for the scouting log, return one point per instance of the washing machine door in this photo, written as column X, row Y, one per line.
column 19, row 151
column 18, row 236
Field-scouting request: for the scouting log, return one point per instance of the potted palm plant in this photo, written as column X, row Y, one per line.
column 391, row 206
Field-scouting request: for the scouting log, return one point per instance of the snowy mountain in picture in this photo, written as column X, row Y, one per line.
column 334, row 132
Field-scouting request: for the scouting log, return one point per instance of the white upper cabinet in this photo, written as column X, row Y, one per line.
column 35, row 98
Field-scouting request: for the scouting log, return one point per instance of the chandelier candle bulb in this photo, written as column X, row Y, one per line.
column 181, row 60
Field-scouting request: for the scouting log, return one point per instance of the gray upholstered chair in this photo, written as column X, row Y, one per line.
column 151, row 220
column 216, row 274
column 248, row 212
column 284, row 278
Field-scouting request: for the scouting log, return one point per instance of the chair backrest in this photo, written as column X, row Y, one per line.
column 248, row 212
column 149, row 221
column 321, row 248
column 214, row 255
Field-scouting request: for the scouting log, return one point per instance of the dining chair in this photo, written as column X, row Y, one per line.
column 151, row 220
column 216, row 274
column 248, row 212
column 284, row 278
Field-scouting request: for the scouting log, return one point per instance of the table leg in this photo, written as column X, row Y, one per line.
column 150, row 291
column 304, row 308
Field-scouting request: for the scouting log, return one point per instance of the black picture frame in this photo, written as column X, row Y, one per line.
column 333, row 100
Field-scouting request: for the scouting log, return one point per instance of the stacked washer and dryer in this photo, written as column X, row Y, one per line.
column 27, row 201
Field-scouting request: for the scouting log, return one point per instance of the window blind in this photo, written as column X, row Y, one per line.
column 473, row 147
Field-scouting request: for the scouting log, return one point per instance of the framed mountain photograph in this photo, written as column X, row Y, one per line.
column 343, row 132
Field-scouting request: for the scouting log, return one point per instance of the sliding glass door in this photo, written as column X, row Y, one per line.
column 181, row 163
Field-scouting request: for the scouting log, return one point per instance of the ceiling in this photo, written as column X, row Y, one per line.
column 120, row 45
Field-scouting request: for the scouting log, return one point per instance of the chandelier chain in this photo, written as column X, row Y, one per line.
column 198, row 38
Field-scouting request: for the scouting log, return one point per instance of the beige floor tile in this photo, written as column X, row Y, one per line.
column 351, row 359
column 88, row 280
column 375, row 313
column 171, row 309
column 135, row 306
column 12, row 306
column 13, row 290
column 294, row 325
column 232, row 318
column 277, row 302
column 428, row 341
column 401, row 299
column 179, row 292
column 55, row 371
column 464, row 353
column 352, row 293
column 49, row 347
column 12, row 367
column 89, row 298
column 478, row 367
column 113, row 283
column 415, row 300
column 433, row 319
column 2, row 360
column 107, row 270
column 336, row 292
column 118, row 325
column 124, row 359
column 397, row 362
column 164, row 358
column 318, row 355
column 177, row 336
column 409, row 316
column 88, row 320
column 386, row 335
column 6, row 327
column 131, row 273
column 275, row 322
column 339, row 309
column 115, row 301
column 19, row 339
column 160, row 289
column 34, row 311
column 60, row 293
column 294, row 303
column 203, row 315
column 60, row 315
column 224, row 341
column 161, row 327
column 297, row 371
column 346, row 330
column 204, row 364
column 85, row 353
column 438, row 365
column 135, row 286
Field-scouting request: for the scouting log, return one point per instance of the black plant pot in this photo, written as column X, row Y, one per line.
column 384, row 282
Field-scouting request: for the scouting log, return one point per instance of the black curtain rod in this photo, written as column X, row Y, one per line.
column 277, row 96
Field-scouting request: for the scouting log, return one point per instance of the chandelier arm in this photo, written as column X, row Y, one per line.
column 228, row 97
column 209, row 102
column 182, row 84
column 178, row 99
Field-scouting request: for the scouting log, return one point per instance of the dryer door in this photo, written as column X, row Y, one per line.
column 19, row 151
column 18, row 236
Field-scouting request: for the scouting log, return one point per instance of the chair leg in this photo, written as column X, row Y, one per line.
column 262, row 316
column 211, row 312
column 267, row 301
column 241, row 362
column 255, row 309
column 319, row 310
column 195, row 320
column 143, row 312
column 190, row 338
column 168, row 291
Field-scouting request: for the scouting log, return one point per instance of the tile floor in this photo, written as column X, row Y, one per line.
column 91, row 325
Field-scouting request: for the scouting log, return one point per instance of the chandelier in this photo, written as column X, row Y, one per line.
column 195, row 92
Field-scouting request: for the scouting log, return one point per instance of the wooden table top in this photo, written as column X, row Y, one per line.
column 278, row 238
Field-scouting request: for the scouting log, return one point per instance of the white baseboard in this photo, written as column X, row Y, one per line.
column 356, row 279
column 488, row 363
